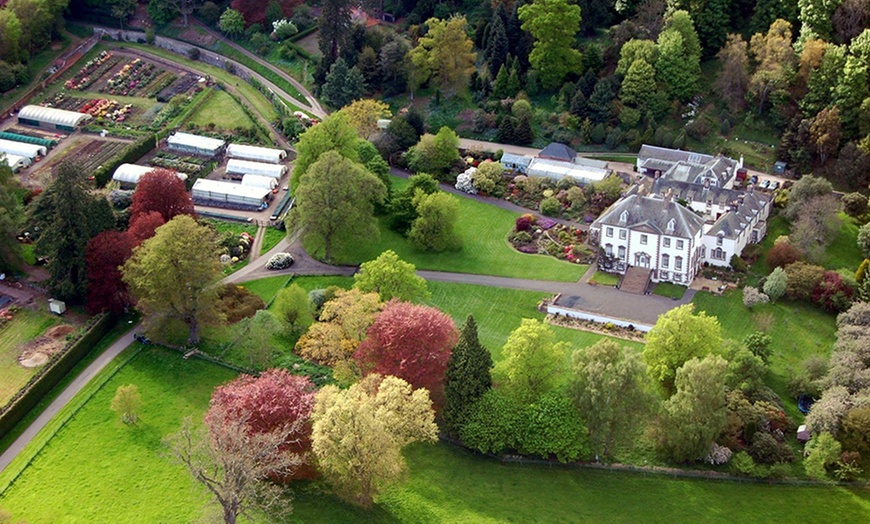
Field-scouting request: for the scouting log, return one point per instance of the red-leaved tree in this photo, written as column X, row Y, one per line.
column 269, row 403
column 105, row 254
column 411, row 342
column 833, row 293
column 144, row 226
column 254, row 11
column 161, row 190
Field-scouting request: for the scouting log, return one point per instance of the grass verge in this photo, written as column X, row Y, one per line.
column 272, row 237
column 669, row 290
column 605, row 279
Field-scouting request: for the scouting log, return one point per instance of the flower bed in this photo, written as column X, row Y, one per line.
column 92, row 71
column 546, row 237
column 606, row 328
column 178, row 165
column 134, row 76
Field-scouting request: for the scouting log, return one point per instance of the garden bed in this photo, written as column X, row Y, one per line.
column 545, row 236
column 606, row 329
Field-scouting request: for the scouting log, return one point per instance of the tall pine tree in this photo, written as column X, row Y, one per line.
column 467, row 378
column 497, row 45
column 10, row 219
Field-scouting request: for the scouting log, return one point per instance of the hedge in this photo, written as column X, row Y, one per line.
column 54, row 371
column 131, row 154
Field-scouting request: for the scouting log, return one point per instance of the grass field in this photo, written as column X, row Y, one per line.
column 97, row 468
column 843, row 251
column 267, row 288
column 797, row 330
column 483, row 229
column 605, row 279
column 273, row 236
column 25, row 325
column 222, row 111
column 666, row 289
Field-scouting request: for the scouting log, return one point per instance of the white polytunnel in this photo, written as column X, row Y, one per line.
column 195, row 144
column 259, row 154
column 30, row 151
column 228, row 194
column 58, row 118
column 245, row 167
column 259, row 181
column 129, row 174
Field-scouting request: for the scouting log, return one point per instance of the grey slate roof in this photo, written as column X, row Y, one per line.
column 519, row 160
column 557, row 151
column 686, row 166
column 737, row 221
column 651, row 213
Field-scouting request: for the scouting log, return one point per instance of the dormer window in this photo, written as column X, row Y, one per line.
column 623, row 217
column 719, row 238
column 672, row 224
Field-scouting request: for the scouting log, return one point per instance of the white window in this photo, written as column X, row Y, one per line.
column 622, row 234
column 643, row 239
column 609, row 232
column 623, row 217
column 608, row 248
column 677, row 277
column 666, row 259
column 678, row 263
column 667, row 242
column 622, row 253
column 663, row 275
column 679, row 244
column 672, row 224
column 719, row 239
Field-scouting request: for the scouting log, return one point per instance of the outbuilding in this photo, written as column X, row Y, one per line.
column 237, row 168
column 514, row 162
column 258, row 154
column 227, row 194
column 52, row 118
column 580, row 174
column 260, row 181
column 30, row 151
column 195, row 144
column 128, row 175
column 15, row 162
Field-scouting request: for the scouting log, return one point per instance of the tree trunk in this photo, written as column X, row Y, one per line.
column 193, row 335
column 230, row 513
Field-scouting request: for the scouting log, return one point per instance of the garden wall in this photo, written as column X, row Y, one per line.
column 56, row 369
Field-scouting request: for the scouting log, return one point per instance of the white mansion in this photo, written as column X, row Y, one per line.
column 690, row 217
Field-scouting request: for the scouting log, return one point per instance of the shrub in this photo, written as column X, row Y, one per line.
column 718, row 455
column 782, row 254
column 832, row 293
column 280, row 261
column 524, row 222
column 743, row 463
column 520, row 238
column 551, row 207
column 193, row 53
column 552, row 426
column 802, row 280
column 492, row 424
column 767, row 450
column 752, row 297
column 855, row 204
column 738, row 264
column 237, row 303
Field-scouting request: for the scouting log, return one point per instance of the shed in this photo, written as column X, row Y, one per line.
column 779, row 168
column 128, row 175
column 58, row 307
column 227, row 194
column 559, row 170
column 30, row 151
column 259, row 181
column 259, row 154
column 244, row 167
column 15, row 162
column 52, row 118
column 803, row 434
column 557, row 151
column 516, row 162
column 195, row 144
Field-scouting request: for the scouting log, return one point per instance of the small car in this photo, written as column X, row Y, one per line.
column 775, row 185
column 765, row 184
column 753, row 179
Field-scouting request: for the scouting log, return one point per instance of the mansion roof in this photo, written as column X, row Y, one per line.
column 653, row 215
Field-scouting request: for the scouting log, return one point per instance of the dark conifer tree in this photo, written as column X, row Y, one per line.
column 467, row 378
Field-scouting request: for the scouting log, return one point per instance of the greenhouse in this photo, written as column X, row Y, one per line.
column 128, row 175
column 244, row 167
column 16, row 162
column 581, row 174
column 194, row 144
column 259, row 154
column 15, row 137
column 259, row 181
column 30, row 151
column 52, row 118
column 226, row 194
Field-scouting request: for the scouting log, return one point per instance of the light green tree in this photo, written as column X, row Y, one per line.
column 678, row 336
column 127, row 403
column 695, row 415
column 336, row 202
column 10, row 36
column 821, row 451
column 607, row 386
column 675, row 67
column 636, row 49
column 173, row 276
column 391, row 277
column 10, row 220
column 775, row 57
column 639, row 85
column 776, row 283
column 488, row 176
column 232, row 22
column 434, row 229
column 435, row 153
column 553, row 24
column 533, row 362
column 292, row 308
column 446, row 54
column 333, row 134
column 255, row 338
column 358, row 434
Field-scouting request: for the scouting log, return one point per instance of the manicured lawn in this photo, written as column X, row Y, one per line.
column 222, row 111
column 605, row 279
column 447, row 484
column 98, row 469
column 25, row 326
column 797, row 330
column 236, row 228
column 483, row 229
column 267, row 288
column 666, row 289
column 273, row 236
